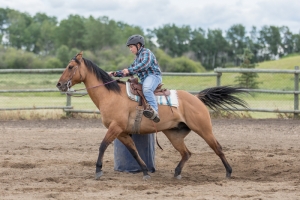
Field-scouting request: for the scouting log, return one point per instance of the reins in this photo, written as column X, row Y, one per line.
column 91, row 87
column 156, row 136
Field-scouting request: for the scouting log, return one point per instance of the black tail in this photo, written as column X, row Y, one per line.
column 221, row 97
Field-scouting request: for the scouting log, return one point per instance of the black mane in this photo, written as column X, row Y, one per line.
column 102, row 76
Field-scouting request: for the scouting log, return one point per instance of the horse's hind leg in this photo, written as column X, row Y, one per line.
column 224, row 161
column 128, row 142
column 204, row 129
column 214, row 144
column 176, row 137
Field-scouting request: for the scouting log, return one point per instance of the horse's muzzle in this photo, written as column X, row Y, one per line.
column 64, row 87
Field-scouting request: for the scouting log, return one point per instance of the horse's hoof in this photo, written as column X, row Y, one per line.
column 228, row 175
column 98, row 175
column 147, row 177
column 178, row 177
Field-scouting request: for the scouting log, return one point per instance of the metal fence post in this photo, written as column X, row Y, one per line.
column 296, row 95
column 68, row 104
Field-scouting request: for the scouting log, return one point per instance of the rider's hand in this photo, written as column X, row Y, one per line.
column 112, row 73
column 125, row 72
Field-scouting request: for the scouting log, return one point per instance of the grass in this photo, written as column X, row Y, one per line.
column 28, row 81
column 192, row 83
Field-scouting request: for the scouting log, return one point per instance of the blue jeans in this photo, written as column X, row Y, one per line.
column 149, row 85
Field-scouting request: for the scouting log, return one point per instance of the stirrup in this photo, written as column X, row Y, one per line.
column 151, row 114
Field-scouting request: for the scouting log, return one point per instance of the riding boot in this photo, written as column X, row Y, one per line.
column 151, row 114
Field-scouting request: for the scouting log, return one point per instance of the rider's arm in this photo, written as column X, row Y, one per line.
column 139, row 66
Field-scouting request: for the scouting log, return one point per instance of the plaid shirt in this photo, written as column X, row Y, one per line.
column 144, row 64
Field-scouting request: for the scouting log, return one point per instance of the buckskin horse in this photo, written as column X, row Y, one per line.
column 118, row 113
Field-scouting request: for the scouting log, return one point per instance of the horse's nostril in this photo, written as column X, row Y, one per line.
column 58, row 84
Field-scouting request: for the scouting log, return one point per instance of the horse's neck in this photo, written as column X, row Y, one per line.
column 97, row 91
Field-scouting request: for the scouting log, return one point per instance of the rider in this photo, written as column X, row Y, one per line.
column 147, row 69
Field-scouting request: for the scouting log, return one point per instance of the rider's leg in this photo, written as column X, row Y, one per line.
column 149, row 85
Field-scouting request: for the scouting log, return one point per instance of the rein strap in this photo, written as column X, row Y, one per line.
column 92, row 88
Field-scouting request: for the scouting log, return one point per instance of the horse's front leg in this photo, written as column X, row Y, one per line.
column 111, row 135
column 128, row 142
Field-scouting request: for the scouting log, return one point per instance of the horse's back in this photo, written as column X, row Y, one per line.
column 189, row 103
column 186, row 97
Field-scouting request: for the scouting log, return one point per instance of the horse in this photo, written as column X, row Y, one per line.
column 118, row 113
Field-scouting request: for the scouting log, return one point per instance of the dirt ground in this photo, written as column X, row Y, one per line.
column 55, row 159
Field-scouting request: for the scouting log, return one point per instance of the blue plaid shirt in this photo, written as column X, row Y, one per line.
column 144, row 64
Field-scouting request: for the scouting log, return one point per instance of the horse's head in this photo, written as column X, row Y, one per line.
column 72, row 74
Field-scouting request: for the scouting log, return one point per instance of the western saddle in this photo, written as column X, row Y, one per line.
column 136, row 88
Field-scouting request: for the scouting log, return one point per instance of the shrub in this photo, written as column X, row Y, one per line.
column 180, row 64
column 62, row 53
column 18, row 59
column 51, row 63
column 183, row 64
column 73, row 52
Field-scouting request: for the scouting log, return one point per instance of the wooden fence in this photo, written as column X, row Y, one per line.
column 217, row 73
column 295, row 92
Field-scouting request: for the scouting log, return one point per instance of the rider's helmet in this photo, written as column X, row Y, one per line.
column 135, row 39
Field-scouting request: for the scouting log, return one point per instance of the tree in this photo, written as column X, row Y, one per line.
column 62, row 53
column 216, row 46
column 198, row 43
column 103, row 32
column 236, row 36
column 33, row 34
column 44, row 37
column 93, row 37
column 247, row 79
column 296, row 41
column 178, row 64
column 271, row 40
column 252, row 43
column 287, row 40
column 3, row 22
column 128, row 30
column 17, row 30
column 111, row 35
column 172, row 39
column 70, row 32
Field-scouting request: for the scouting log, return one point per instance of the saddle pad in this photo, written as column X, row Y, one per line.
column 161, row 100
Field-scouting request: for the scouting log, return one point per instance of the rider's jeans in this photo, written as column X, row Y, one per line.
column 149, row 85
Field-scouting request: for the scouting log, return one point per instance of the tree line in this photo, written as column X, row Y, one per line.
column 43, row 40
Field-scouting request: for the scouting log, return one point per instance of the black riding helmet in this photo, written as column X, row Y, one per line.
column 135, row 39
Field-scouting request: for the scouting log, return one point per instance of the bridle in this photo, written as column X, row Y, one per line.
column 69, row 81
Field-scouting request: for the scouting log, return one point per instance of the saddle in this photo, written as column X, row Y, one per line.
column 136, row 88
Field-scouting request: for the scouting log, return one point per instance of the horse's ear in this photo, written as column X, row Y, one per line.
column 79, row 56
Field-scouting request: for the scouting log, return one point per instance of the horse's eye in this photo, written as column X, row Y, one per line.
column 71, row 67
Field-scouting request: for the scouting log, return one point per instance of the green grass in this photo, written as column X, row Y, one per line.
column 285, row 63
column 28, row 81
column 192, row 83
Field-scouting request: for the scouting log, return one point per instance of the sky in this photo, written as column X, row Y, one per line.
column 205, row 14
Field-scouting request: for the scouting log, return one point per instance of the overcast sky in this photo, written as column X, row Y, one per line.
column 155, row 13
